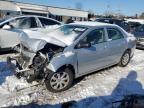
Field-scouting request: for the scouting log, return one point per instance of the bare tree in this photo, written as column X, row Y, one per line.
column 142, row 15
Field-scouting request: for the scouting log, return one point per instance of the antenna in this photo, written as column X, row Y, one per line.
column 108, row 10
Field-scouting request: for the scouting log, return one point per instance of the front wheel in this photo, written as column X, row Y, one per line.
column 59, row 81
column 125, row 59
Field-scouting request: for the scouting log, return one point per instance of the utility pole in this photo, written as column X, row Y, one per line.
column 108, row 9
column 119, row 11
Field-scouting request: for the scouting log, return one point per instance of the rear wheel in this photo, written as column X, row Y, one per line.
column 59, row 81
column 125, row 59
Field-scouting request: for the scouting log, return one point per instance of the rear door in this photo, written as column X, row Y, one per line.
column 116, row 44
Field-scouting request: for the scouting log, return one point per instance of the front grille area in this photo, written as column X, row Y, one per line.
column 24, row 48
column 25, row 56
column 23, row 61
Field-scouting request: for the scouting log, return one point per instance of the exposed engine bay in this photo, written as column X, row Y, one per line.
column 32, row 65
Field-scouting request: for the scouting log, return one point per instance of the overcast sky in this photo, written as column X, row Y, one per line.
column 127, row 7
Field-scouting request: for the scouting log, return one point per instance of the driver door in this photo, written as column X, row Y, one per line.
column 94, row 57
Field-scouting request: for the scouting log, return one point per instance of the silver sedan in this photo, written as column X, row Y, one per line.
column 71, row 51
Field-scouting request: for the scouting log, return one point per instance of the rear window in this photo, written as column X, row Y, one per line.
column 114, row 34
column 140, row 28
column 48, row 22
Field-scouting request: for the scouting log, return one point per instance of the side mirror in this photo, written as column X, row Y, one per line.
column 83, row 45
column 6, row 27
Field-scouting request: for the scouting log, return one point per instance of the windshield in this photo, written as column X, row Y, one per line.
column 68, row 33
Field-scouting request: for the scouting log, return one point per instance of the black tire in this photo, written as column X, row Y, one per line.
column 126, row 56
column 53, row 74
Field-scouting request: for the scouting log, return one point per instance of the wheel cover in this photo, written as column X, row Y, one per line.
column 125, row 59
column 59, row 80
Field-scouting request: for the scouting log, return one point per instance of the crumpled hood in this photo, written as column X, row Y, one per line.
column 36, row 40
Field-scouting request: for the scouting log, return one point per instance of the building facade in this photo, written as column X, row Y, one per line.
column 11, row 8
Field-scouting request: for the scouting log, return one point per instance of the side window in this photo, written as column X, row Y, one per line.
column 33, row 23
column 141, row 28
column 114, row 34
column 15, row 23
column 48, row 22
column 24, row 23
column 94, row 37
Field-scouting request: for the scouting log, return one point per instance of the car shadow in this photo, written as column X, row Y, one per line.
column 5, row 71
column 125, row 87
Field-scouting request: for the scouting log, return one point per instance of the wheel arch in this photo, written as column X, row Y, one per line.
column 129, row 50
column 70, row 66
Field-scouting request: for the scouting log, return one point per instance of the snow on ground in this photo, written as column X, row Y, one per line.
column 96, row 90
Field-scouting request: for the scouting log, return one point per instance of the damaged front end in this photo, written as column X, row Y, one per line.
column 31, row 61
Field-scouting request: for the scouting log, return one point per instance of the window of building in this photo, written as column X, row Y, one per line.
column 59, row 18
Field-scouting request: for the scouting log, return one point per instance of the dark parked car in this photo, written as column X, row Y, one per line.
column 139, row 34
column 118, row 22
column 133, row 25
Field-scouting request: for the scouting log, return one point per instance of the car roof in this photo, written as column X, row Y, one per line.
column 141, row 21
column 92, row 24
column 110, row 19
column 20, row 16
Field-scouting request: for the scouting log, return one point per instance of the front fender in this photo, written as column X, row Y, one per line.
column 131, row 42
column 63, row 59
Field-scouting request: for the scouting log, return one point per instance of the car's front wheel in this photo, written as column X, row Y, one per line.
column 125, row 59
column 59, row 81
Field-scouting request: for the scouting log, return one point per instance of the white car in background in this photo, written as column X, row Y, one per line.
column 10, row 28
